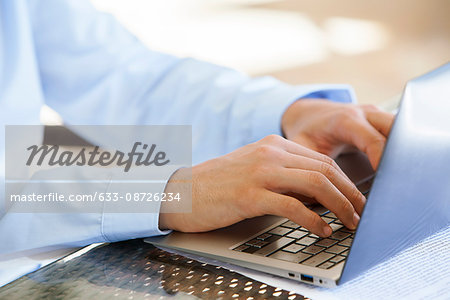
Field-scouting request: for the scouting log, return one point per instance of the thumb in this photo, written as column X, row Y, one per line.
column 361, row 134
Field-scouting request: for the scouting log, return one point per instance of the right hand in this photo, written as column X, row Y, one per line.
column 269, row 177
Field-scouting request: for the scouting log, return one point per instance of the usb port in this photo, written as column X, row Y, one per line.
column 307, row 278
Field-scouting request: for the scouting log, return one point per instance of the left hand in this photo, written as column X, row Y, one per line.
column 332, row 128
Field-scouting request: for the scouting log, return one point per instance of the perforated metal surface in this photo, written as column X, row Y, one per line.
column 136, row 270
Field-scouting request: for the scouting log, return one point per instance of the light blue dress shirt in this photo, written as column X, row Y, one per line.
column 88, row 68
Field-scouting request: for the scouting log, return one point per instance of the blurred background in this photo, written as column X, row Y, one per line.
column 374, row 45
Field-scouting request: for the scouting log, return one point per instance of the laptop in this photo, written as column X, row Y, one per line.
column 407, row 200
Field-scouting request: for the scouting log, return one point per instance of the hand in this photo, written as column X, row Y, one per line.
column 330, row 128
column 266, row 177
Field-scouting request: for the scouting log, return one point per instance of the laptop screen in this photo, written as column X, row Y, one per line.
column 409, row 199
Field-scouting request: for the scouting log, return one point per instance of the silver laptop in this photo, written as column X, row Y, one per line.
column 408, row 200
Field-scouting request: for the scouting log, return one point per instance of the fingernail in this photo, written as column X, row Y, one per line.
column 364, row 199
column 355, row 219
column 327, row 230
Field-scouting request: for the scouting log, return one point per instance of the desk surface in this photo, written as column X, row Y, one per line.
column 136, row 270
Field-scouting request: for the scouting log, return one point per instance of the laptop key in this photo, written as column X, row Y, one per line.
column 306, row 241
column 264, row 236
column 297, row 234
column 320, row 210
column 295, row 258
column 347, row 242
column 326, row 265
column 317, row 259
column 335, row 226
column 326, row 243
column 290, row 224
column 336, row 249
column 345, row 229
column 250, row 250
column 345, row 253
column 339, row 235
column 327, row 220
column 313, row 249
column 272, row 247
column 293, row 248
column 337, row 259
column 252, row 242
column 272, row 239
column 331, row 215
column 314, row 235
column 260, row 244
column 280, row 230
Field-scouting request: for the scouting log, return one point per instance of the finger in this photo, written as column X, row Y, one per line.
column 316, row 185
column 381, row 120
column 344, row 185
column 297, row 149
column 288, row 207
column 365, row 137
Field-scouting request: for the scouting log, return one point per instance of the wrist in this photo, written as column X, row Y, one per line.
column 292, row 115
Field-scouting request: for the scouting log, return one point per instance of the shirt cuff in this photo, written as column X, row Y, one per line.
column 267, row 116
column 125, row 226
column 119, row 226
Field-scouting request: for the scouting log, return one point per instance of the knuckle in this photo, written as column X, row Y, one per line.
column 286, row 206
column 356, row 194
column 380, row 140
column 316, row 179
column 370, row 107
column 350, row 112
column 327, row 160
column 346, row 206
column 265, row 151
column 328, row 170
column 272, row 138
column 353, row 110
column 289, row 207
column 377, row 141
column 335, row 165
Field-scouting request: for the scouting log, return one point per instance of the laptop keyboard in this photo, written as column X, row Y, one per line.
column 293, row 243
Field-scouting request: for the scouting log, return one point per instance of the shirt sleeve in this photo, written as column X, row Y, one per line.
column 71, row 224
column 93, row 71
